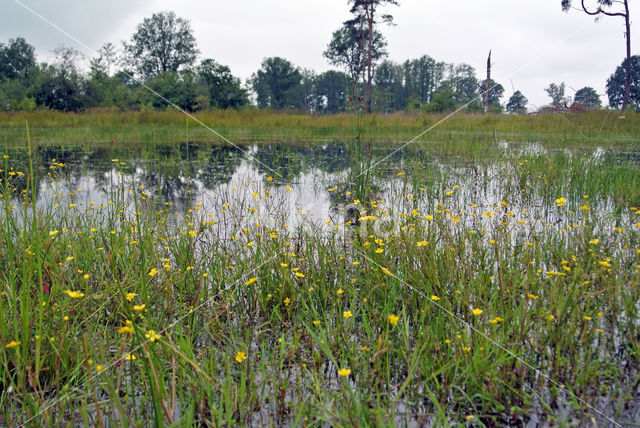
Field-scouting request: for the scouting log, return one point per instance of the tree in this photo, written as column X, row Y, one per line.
column 517, row 103
column 17, row 60
column 346, row 50
column 616, row 85
column 422, row 76
column 332, row 87
column 462, row 79
column 61, row 86
column 366, row 18
column 619, row 8
column 587, row 98
column 173, row 87
column 496, row 91
column 162, row 43
column 556, row 92
column 443, row 99
column 223, row 89
column 276, row 83
column 104, row 63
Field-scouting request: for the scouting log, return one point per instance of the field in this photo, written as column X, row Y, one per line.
column 487, row 274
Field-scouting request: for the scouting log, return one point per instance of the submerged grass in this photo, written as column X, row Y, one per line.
column 467, row 270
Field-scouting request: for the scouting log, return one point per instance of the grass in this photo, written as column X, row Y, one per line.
column 115, row 128
column 473, row 264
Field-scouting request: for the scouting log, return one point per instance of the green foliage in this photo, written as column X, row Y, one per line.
column 517, row 103
column 587, row 98
column 443, row 99
column 277, row 85
column 556, row 93
column 223, row 89
column 17, row 60
column 173, row 88
column 162, row 43
column 616, row 82
column 333, row 89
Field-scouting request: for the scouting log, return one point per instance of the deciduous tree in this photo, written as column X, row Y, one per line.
column 616, row 84
column 162, row 43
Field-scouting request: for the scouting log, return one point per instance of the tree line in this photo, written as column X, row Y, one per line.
column 158, row 66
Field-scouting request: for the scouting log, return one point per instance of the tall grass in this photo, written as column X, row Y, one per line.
column 255, row 125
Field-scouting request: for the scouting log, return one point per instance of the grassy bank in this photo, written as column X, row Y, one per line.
column 261, row 126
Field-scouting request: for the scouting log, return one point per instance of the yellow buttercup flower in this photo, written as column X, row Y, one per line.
column 152, row 336
column 477, row 311
column 344, row 372
column 240, row 356
column 74, row 294
column 393, row 319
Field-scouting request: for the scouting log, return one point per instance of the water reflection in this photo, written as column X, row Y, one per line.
column 313, row 179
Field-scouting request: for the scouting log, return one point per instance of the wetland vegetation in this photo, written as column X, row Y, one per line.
column 492, row 278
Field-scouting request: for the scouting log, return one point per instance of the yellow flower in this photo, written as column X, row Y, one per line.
column 288, row 188
column 561, row 201
column 344, row 372
column 299, row 275
column 550, row 317
column 153, row 272
column 99, row 368
column 316, row 322
column 386, row 271
column 240, row 356
column 13, row 344
column 379, row 250
column 53, row 233
column 130, row 357
column 284, row 265
column 393, row 319
column 127, row 329
column 435, row 298
column 340, row 291
column 251, row 281
column 130, row 296
column 74, row 294
column 86, row 276
column 152, row 336
column 192, row 233
column 139, row 307
column 347, row 314
column 594, row 241
column 604, row 263
column 532, row 296
column 586, row 318
column 477, row 312
column 287, row 301
column 421, row 243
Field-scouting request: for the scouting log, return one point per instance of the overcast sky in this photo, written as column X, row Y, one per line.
column 534, row 43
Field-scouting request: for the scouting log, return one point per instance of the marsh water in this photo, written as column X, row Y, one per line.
column 309, row 185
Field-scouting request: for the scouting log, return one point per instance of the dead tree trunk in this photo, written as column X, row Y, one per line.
column 487, row 85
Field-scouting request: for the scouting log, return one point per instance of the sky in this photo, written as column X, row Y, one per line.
column 534, row 43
